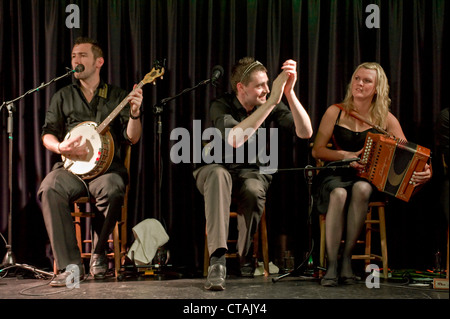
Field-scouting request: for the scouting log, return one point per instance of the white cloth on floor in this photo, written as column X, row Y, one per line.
column 149, row 236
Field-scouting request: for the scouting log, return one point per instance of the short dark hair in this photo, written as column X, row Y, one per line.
column 242, row 70
column 96, row 49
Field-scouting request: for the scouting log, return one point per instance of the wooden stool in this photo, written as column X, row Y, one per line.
column 370, row 220
column 119, row 235
column 261, row 231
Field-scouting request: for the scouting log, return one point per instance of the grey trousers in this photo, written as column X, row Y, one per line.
column 58, row 189
column 247, row 187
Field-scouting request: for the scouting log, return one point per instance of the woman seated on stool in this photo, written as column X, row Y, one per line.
column 341, row 189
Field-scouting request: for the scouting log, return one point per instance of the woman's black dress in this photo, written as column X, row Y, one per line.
column 329, row 179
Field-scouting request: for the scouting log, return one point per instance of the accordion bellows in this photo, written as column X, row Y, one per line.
column 390, row 163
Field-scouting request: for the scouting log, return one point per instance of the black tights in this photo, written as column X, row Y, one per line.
column 357, row 210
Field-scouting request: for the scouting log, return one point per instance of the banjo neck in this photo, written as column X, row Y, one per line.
column 101, row 129
column 156, row 72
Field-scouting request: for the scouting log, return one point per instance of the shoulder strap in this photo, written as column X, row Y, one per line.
column 362, row 119
column 102, row 95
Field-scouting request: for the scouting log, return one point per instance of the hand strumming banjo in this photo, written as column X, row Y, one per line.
column 98, row 139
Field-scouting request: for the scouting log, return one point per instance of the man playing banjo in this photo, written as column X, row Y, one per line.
column 89, row 99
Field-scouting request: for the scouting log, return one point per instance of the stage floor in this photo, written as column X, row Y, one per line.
column 259, row 287
column 257, row 297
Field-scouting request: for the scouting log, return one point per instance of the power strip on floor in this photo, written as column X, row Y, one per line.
column 440, row 283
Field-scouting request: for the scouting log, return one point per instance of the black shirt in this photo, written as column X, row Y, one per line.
column 227, row 112
column 68, row 108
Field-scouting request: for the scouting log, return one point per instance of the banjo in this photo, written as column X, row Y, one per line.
column 98, row 139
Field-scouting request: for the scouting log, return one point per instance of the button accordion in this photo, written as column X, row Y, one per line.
column 390, row 163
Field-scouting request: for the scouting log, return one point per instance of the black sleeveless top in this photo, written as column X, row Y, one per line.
column 328, row 179
column 348, row 140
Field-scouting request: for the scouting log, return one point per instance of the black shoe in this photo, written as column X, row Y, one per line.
column 216, row 277
column 352, row 280
column 329, row 282
column 248, row 266
column 98, row 266
column 68, row 277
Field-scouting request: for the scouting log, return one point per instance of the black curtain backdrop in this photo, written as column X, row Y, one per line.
column 327, row 38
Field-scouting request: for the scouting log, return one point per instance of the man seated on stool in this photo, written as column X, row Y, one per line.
column 238, row 116
column 87, row 99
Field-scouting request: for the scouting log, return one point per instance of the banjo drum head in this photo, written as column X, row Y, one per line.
column 90, row 137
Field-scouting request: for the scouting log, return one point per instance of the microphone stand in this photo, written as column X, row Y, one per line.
column 309, row 173
column 158, row 109
column 9, row 260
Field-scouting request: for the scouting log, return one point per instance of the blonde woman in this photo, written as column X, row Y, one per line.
column 341, row 194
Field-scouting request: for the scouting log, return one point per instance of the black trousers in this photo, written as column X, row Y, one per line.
column 57, row 192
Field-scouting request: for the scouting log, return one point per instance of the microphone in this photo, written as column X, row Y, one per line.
column 349, row 160
column 79, row 68
column 343, row 162
column 217, row 72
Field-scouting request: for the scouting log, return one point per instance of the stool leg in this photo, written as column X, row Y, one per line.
column 117, row 256
column 55, row 268
column 368, row 248
column 77, row 222
column 322, row 243
column 265, row 246
column 384, row 254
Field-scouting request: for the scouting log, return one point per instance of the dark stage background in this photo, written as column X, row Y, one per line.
column 327, row 38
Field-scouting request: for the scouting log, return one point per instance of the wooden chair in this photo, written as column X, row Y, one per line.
column 119, row 236
column 375, row 216
column 372, row 218
column 261, row 232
